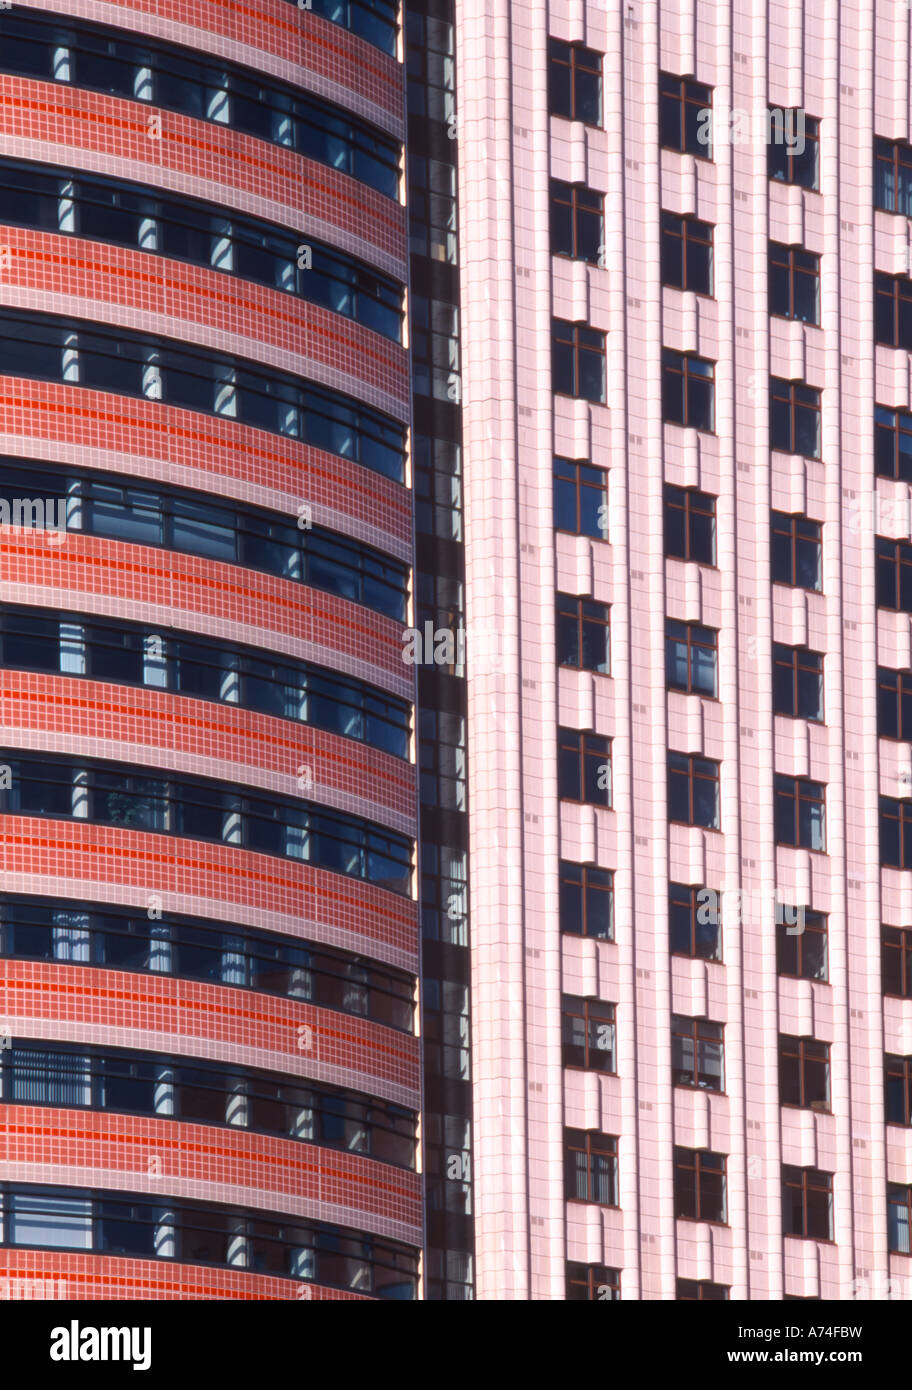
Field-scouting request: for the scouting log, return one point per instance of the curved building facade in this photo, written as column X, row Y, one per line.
column 208, row 929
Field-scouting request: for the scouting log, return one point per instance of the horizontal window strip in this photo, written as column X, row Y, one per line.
column 110, row 794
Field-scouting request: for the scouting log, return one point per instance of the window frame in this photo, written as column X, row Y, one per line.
column 694, row 775
column 897, row 1066
column 788, row 394
column 574, row 196
column 804, row 1181
column 576, row 343
column 890, row 434
column 797, row 661
column 702, row 1035
column 693, row 890
column 898, row 155
column 592, row 1278
column 800, row 1055
column 893, row 555
column 796, row 263
column 584, row 745
column 811, row 139
column 595, row 1015
column 585, row 885
column 571, row 609
column 902, row 966
column 681, row 232
column 580, row 60
column 803, row 792
column 899, row 1197
column 793, row 533
column 705, row 1165
column 691, row 642
column 699, row 1285
column 893, row 297
column 687, row 96
column 693, row 505
column 817, row 925
column 592, row 1144
column 684, row 371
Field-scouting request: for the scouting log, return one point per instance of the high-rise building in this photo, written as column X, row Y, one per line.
column 453, row 811
column 208, row 925
column 685, row 328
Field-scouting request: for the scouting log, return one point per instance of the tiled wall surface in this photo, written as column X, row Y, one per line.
column 847, row 65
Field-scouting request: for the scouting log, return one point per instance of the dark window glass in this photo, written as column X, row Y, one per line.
column 580, row 498
column 804, row 1072
column 113, row 655
column 800, row 813
column 893, row 311
column 893, row 176
column 792, row 150
column 30, row 198
column 587, row 1030
column 694, row 922
column 693, row 790
column 32, row 643
column 797, row 682
column 582, row 634
column 586, row 900
column 125, row 1084
column 794, row 418
column 593, row 1284
column 699, row 1185
column 893, row 573
column 801, row 944
column 574, row 82
column 898, row 1090
column 794, row 283
column 578, row 360
column 807, row 1203
column 688, row 390
column 577, row 221
column 687, row 253
column 796, row 551
column 895, row 833
column 584, row 767
column 690, row 525
column 897, row 962
column 590, row 1167
column 697, row 1053
column 899, row 1219
column 700, row 1291
column 893, row 444
column 685, row 116
column 691, row 658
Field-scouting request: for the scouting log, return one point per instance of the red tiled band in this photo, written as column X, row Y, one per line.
column 52, row 1275
column 277, row 29
column 216, row 878
column 119, row 285
column 162, row 730
column 57, row 117
column 175, row 583
column 160, row 1013
column 147, row 1154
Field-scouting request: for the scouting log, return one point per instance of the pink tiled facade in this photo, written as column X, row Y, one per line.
column 848, row 68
